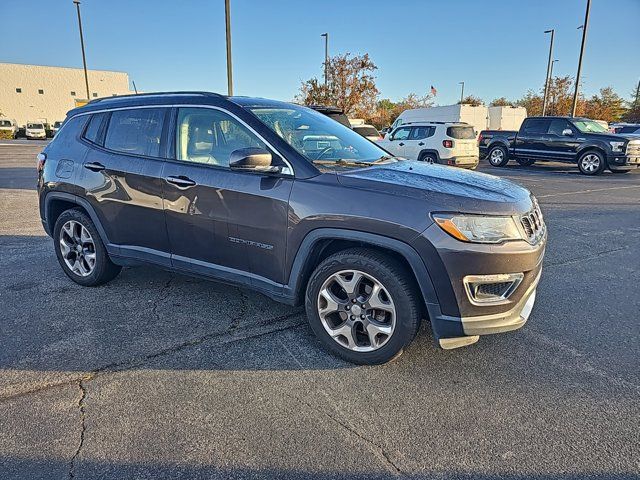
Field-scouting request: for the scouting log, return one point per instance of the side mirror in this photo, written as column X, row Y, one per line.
column 253, row 159
column 567, row 132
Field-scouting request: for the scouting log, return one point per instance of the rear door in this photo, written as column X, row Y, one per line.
column 416, row 142
column 223, row 222
column 121, row 175
column 530, row 140
column 559, row 146
column 398, row 140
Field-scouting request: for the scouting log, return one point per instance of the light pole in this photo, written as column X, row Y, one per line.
column 584, row 27
column 326, row 57
column 84, row 58
column 227, row 17
column 549, row 68
column 461, row 92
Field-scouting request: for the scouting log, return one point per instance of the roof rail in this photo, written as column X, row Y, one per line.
column 155, row 94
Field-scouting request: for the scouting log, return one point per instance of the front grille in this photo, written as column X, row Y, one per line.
column 490, row 290
column 633, row 148
column 533, row 224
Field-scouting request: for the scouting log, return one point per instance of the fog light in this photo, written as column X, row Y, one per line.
column 491, row 289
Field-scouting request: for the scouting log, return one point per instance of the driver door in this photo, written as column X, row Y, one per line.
column 398, row 141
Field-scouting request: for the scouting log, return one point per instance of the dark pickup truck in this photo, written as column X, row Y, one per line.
column 565, row 139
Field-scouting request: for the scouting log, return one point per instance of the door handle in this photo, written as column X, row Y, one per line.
column 181, row 181
column 94, row 166
column 401, row 144
column 421, row 143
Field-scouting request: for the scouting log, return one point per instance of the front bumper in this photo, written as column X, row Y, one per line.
column 623, row 162
column 456, row 319
column 462, row 162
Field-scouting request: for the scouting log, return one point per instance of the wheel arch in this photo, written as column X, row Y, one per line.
column 55, row 203
column 425, row 151
column 320, row 243
column 591, row 147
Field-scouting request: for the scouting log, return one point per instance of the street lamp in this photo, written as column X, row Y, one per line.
column 584, row 27
column 549, row 68
column 84, row 58
column 326, row 57
column 461, row 92
column 227, row 17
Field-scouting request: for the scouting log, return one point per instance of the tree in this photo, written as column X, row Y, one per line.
column 387, row 111
column 501, row 102
column 471, row 100
column 350, row 86
column 632, row 114
column 607, row 106
column 559, row 98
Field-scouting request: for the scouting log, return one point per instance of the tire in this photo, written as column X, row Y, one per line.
column 90, row 265
column 498, row 156
column 526, row 162
column 591, row 163
column 394, row 325
column 428, row 158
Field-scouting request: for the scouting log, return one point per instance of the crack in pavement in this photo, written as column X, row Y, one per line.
column 83, row 428
column 154, row 310
column 257, row 330
column 379, row 452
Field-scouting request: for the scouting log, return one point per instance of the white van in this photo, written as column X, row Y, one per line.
column 506, row 118
column 35, row 130
column 9, row 125
column 477, row 117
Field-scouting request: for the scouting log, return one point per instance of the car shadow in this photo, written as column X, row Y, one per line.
column 18, row 178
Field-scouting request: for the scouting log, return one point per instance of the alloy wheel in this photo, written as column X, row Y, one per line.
column 77, row 248
column 496, row 157
column 356, row 310
column 590, row 163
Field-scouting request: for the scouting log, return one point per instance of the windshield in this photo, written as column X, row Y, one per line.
column 57, row 124
column 317, row 137
column 589, row 126
column 5, row 123
column 35, row 126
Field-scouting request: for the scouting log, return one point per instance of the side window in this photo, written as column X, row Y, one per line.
column 536, row 126
column 205, row 135
column 401, row 133
column 419, row 133
column 135, row 131
column 92, row 131
column 557, row 126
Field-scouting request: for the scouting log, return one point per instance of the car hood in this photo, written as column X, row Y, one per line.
column 444, row 188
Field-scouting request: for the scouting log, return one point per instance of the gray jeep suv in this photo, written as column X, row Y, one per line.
column 283, row 200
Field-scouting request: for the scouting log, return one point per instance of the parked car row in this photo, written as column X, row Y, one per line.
column 32, row 129
column 566, row 139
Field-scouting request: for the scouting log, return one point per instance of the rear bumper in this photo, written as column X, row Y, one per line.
column 463, row 162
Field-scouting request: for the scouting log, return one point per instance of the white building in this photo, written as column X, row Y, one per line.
column 35, row 92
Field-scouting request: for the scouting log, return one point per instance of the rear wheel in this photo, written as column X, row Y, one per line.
column 591, row 163
column 498, row 156
column 363, row 306
column 80, row 251
column 428, row 158
column 525, row 162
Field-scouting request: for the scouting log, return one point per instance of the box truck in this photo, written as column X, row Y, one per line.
column 476, row 116
column 506, row 118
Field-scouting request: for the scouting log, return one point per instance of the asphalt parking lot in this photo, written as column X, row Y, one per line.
column 157, row 375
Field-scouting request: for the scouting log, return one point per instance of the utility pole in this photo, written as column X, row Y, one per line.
column 584, row 27
column 549, row 70
column 227, row 16
column 461, row 92
column 84, row 58
column 326, row 58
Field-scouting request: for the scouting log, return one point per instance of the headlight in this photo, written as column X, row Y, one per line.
column 479, row 228
column 616, row 146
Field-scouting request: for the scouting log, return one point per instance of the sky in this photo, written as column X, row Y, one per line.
column 497, row 47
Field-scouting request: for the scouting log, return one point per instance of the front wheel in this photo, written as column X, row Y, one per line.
column 591, row 163
column 498, row 156
column 363, row 306
column 80, row 251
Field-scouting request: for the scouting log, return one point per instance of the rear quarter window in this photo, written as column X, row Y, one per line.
column 462, row 133
column 93, row 128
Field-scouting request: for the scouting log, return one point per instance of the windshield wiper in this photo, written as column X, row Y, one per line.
column 342, row 162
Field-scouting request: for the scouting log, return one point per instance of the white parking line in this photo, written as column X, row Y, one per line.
column 587, row 191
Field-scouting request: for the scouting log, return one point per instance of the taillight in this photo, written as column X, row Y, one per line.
column 41, row 158
column 479, row 139
column 447, row 143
